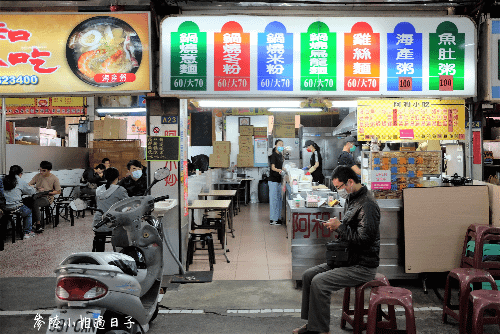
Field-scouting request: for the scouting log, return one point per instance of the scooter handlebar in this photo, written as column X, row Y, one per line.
column 103, row 221
column 161, row 198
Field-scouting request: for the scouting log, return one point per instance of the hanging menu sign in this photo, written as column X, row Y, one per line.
column 411, row 119
column 163, row 148
column 276, row 56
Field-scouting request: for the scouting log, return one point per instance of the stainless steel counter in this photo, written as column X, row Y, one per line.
column 307, row 237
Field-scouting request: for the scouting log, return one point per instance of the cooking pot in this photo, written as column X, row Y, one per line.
column 227, row 175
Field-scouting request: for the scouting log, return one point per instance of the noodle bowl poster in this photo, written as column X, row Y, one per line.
column 74, row 53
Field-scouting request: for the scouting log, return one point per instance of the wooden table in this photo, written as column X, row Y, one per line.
column 221, row 205
column 226, row 194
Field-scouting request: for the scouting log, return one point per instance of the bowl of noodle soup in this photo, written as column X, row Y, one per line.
column 103, row 45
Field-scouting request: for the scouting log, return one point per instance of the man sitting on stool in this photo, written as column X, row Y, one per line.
column 44, row 181
column 136, row 182
column 360, row 228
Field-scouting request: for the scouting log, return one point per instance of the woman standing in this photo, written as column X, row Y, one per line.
column 274, row 182
column 316, row 163
column 14, row 188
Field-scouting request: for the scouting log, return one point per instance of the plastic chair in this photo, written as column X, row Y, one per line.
column 355, row 316
column 465, row 277
column 204, row 236
column 391, row 296
column 481, row 234
column 480, row 301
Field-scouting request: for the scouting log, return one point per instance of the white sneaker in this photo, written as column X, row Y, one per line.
column 274, row 223
column 29, row 235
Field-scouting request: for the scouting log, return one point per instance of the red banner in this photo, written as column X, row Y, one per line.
column 232, row 58
column 362, row 58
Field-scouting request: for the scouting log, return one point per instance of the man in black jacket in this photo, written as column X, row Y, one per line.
column 360, row 228
column 136, row 182
column 94, row 178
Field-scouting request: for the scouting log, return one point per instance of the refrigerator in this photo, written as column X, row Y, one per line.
column 330, row 147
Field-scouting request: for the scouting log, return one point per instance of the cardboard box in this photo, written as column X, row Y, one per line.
column 284, row 131
column 245, row 149
column 260, row 132
column 246, row 130
column 245, row 140
column 244, row 160
column 219, row 160
column 284, row 119
column 110, row 128
column 222, row 147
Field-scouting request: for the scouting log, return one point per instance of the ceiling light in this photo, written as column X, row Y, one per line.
column 344, row 104
column 120, row 110
column 296, row 109
column 248, row 103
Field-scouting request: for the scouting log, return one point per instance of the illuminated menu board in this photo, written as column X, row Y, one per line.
column 252, row 56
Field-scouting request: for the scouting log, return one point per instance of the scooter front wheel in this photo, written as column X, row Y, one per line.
column 136, row 329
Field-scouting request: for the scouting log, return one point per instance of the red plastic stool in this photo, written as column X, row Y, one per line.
column 359, row 311
column 390, row 295
column 465, row 277
column 481, row 234
column 480, row 301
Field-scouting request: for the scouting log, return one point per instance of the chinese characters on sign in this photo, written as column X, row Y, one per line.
column 362, row 58
column 381, row 179
column 189, row 58
column 446, row 58
column 318, row 63
column 275, row 58
column 428, row 119
column 81, row 324
column 162, row 148
column 404, row 59
column 232, row 58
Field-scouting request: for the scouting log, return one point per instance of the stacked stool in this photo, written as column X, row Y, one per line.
column 355, row 316
column 389, row 295
column 481, row 234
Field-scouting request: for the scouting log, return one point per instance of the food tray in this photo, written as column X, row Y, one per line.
column 312, row 204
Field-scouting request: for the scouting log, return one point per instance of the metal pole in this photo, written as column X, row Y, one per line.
column 3, row 139
column 470, row 157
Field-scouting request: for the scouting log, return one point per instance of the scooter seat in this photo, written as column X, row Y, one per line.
column 125, row 262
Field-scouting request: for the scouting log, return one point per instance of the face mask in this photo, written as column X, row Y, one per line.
column 309, row 150
column 280, row 148
column 352, row 149
column 343, row 193
column 137, row 174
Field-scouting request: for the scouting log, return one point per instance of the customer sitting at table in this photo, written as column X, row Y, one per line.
column 106, row 162
column 14, row 189
column 107, row 195
column 93, row 177
column 44, row 181
column 136, row 182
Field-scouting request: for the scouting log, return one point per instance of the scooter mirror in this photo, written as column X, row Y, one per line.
column 161, row 174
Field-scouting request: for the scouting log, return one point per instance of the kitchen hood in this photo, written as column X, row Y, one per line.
column 348, row 126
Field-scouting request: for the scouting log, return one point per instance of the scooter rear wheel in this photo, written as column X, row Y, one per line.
column 136, row 329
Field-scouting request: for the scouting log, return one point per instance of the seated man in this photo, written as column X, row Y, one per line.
column 94, row 178
column 136, row 182
column 360, row 228
column 106, row 162
column 44, row 181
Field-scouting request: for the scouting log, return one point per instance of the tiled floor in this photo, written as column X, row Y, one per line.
column 258, row 251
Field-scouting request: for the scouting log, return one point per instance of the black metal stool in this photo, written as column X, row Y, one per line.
column 205, row 237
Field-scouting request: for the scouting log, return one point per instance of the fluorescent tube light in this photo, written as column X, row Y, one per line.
column 119, row 110
column 248, row 103
column 296, row 109
column 344, row 104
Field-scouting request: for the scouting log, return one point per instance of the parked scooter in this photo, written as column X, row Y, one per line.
column 115, row 292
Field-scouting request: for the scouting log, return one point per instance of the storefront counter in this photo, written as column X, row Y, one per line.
column 307, row 237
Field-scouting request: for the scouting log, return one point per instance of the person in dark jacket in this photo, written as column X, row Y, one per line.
column 345, row 158
column 136, row 182
column 315, row 167
column 274, row 182
column 360, row 228
column 93, row 177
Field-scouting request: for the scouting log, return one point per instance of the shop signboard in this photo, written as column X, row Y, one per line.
column 49, row 106
column 381, row 180
column 411, row 119
column 278, row 56
column 489, row 64
column 74, row 53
